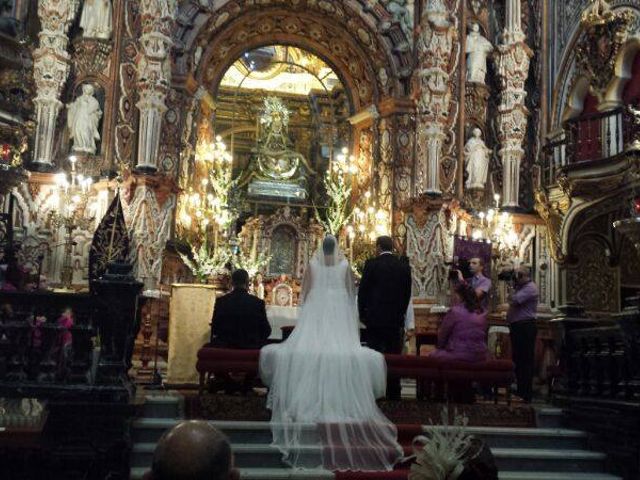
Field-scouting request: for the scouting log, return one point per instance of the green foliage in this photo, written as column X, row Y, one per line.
column 339, row 209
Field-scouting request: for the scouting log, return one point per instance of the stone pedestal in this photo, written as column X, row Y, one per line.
column 116, row 295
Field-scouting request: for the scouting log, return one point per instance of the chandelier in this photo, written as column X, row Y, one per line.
column 73, row 192
column 497, row 228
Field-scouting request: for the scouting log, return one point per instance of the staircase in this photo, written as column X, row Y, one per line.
column 544, row 453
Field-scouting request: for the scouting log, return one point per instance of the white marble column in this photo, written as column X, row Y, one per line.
column 512, row 61
column 52, row 64
column 435, row 46
column 154, row 77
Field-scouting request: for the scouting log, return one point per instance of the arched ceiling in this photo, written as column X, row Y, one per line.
column 344, row 33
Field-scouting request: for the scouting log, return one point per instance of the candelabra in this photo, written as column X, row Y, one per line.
column 368, row 223
column 497, row 227
column 73, row 194
column 206, row 207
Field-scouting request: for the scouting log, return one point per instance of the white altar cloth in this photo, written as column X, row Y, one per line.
column 281, row 317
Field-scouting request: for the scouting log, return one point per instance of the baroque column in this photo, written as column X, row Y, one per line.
column 154, row 77
column 435, row 47
column 512, row 61
column 52, row 64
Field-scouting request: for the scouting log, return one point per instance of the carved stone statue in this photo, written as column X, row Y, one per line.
column 478, row 48
column 82, row 120
column 96, row 19
column 477, row 159
column 280, row 170
column 401, row 14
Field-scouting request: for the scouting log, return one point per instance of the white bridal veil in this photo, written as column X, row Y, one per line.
column 323, row 383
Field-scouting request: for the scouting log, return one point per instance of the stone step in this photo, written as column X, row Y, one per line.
column 507, row 459
column 149, row 430
column 287, row 473
column 263, row 474
column 163, row 406
column 546, row 460
column 549, row 417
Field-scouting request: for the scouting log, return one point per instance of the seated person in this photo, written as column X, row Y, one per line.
column 193, row 450
column 239, row 319
column 462, row 335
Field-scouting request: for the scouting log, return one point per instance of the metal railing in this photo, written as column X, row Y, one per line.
column 590, row 138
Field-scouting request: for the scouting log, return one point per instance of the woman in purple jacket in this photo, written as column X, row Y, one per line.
column 463, row 333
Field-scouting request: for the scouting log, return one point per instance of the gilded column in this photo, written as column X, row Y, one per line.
column 52, row 64
column 435, row 45
column 154, row 77
column 512, row 61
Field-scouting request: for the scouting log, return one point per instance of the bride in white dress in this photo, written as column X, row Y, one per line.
column 323, row 384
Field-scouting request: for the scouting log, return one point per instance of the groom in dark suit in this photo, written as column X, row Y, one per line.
column 239, row 318
column 383, row 298
column 239, row 321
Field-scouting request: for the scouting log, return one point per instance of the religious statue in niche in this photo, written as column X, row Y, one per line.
column 478, row 48
column 96, row 19
column 476, row 155
column 83, row 118
column 278, row 170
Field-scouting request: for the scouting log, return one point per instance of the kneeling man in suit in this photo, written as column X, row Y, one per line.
column 239, row 321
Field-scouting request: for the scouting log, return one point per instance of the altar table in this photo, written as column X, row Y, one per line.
column 281, row 317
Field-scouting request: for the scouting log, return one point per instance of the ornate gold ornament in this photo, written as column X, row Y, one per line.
column 552, row 213
column 606, row 32
column 91, row 55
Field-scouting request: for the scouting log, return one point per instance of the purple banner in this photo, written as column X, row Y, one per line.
column 466, row 249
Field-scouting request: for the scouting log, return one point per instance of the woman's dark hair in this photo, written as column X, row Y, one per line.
column 469, row 298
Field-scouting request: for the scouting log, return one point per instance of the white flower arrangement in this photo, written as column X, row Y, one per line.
column 206, row 263
column 252, row 266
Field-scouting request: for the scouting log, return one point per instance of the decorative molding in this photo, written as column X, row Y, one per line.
column 437, row 47
column 154, row 77
column 149, row 223
column 512, row 59
column 91, row 55
column 605, row 32
column 553, row 214
column 52, row 64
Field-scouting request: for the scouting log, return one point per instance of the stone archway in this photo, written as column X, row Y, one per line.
column 374, row 62
column 361, row 42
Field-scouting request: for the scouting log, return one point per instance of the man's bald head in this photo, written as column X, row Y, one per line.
column 193, row 450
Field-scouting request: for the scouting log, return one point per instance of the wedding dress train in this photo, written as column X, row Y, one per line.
column 323, row 384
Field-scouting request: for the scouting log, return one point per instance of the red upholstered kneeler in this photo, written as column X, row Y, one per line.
column 425, row 370
column 228, row 360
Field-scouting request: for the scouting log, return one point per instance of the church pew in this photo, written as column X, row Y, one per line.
column 493, row 373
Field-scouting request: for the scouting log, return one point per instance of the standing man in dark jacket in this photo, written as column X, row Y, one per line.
column 239, row 319
column 383, row 298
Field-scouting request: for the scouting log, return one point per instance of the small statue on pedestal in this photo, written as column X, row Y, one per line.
column 83, row 119
column 477, row 160
column 478, row 48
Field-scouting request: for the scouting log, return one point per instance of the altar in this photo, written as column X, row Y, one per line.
column 279, row 317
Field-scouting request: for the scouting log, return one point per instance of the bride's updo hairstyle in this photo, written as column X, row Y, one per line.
column 328, row 246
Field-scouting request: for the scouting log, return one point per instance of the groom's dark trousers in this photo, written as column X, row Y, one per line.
column 387, row 340
column 383, row 297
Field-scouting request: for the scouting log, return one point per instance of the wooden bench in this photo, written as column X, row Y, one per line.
column 493, row 373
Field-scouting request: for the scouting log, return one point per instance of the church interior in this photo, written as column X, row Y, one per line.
column 149, row 148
